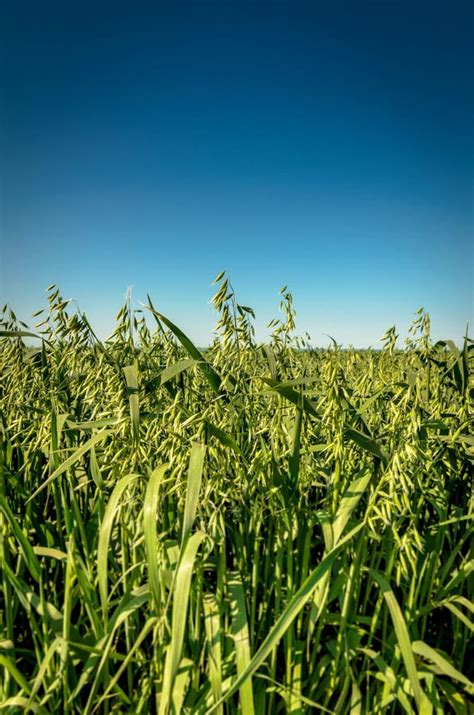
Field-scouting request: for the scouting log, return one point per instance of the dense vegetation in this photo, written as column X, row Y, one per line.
column 254, row 529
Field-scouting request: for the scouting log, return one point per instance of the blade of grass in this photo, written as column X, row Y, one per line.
column 287, row 616
column 178, row 619
column 79, row 452
column 404, row 642
column 196, row 465
column 131, row 377
column 104, row 538
column 150, row 509
column 240, row 634
column 207, row 370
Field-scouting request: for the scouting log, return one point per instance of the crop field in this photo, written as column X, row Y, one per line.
column 249, row 528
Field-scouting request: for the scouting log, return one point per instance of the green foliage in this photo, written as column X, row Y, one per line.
column 254, row 529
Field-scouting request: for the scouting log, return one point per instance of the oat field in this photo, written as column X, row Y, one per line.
column 249, row 528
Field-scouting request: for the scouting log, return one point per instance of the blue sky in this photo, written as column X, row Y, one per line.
column 326, row 146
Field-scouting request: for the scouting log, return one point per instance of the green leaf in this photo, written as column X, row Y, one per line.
column 403, row 637
column 15, row 673
column 150, row 509
column 20, row 334
column 179, row 618
column 223, row 437
column 390, row 678
column 240, row 634
column 367, row 443
column 29, row 555
column 104, row 537
column 80, row 451
column 51, row 553
column 288, row 615
column 131, row 376
column 176, row 369
column 196, row 465
column 214, row 645
column 147, row 628
column 207, row 370
column 348, row 503
column 440, row 660
column 292, row 395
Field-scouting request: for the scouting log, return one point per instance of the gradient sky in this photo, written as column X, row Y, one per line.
column 324, row 145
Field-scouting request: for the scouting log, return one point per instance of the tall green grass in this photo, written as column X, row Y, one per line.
column 250, row 528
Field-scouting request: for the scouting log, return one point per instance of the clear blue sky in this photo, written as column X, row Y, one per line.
column 323, row 145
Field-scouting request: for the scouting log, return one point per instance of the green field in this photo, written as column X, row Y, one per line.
column 245, row 529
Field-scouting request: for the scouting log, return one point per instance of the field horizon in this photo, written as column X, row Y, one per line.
column 262, row 331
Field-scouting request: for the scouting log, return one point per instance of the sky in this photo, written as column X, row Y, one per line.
column 327, row 146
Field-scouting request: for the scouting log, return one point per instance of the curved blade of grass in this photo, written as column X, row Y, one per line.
column 104, row 537
column 367, row 443
column 176, row 369
column 15, row 673
column 459, row 614
column 390, row 678
column 288, row 615
column 240, row 634
column 29, row 599
column 55, row 646
column 93, row 424
column 80, row 451
column 17, row 701
column 149, row 625
column 179, row 618
column 196, row 465
column 50, row 552
column 223, row 437
column 29, row 556
column 423, row 649
column 95, row 470
column 128, row 605
column 207, row 370
column 181, row 683
column 150, row 508
column 403, row 638
column 214, row 645
column 20, row 334
column 348, row 503
column 292, row 395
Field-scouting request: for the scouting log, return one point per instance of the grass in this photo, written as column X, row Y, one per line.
column 249, row 528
